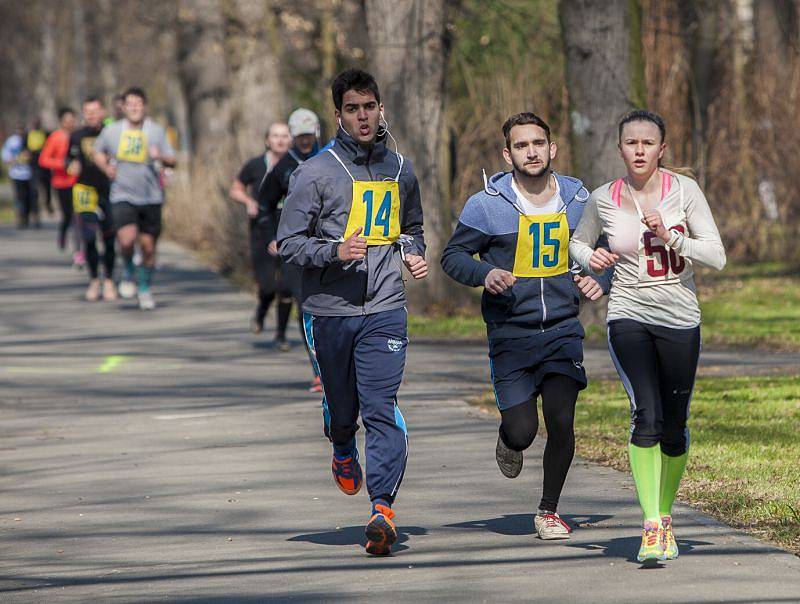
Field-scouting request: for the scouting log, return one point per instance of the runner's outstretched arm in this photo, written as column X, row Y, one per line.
column 299, row 221
column 269, row 195
column 702, row 244
column 604, row 278
column 468, row 239
column 48, row 158
column 588, row 232
column 411, row 221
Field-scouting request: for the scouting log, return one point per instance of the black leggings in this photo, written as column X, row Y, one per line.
column 657, row 366
column 521, row 422
column 65, row 201
column 26, row 200
column 90, row 225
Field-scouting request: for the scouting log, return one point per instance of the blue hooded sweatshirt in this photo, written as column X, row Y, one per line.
column 488, row 227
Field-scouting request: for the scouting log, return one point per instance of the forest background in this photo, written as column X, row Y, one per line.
column 725, row 74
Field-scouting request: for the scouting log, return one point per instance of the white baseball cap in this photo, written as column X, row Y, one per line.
column 303, row 121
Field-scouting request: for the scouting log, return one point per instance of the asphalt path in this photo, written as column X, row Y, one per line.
column 173, row 456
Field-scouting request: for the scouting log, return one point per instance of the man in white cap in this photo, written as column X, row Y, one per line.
column 304, row 128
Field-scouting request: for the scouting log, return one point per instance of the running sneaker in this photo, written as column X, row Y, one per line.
column 93, row 291
column 549, row 525
column 109, row 290
column 146, row 300
column 282, row 345
column 347, row 473
column 381, row 531
column 78, row 260
column 256, row 324
column 508, row 460
column 127, row 289
column 316, row 385
column 667, row 538
column 650, row 549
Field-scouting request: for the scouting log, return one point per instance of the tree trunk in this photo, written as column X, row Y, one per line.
column 407, row 55
column 258, row 96
column 699, row 21
column 204, row 75
column 44, row 90
column 106, row 55
column 80, row 54
column 605, row 79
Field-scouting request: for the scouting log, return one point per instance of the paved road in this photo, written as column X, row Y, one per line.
column 174, row 457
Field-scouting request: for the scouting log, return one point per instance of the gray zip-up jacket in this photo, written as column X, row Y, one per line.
column 313, row 222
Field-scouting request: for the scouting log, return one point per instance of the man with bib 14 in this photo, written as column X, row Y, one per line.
column 352, row 217
column 520, row 226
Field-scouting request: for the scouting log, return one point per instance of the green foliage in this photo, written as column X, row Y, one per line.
column 505, row 58
column 752, row 305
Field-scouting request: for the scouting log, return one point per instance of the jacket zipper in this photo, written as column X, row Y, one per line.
column 544, row 306
column 366, row 257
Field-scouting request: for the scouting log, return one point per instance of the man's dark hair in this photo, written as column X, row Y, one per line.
column 92, row 98
column 353, row 79
column 522, row 119
column 135, row 91
column 62, row 111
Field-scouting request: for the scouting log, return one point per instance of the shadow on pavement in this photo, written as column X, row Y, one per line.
column 354, row 535
column 522, row 524
column 627, row 547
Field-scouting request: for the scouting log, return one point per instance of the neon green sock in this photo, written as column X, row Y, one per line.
column 671, row 473
column 646, row 469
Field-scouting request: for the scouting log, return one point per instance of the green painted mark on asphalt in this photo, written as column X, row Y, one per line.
column 111, row 363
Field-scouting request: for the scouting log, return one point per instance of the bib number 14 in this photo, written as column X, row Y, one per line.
column 380, row 219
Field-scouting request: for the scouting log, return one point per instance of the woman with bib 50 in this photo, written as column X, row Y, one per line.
column 658, row 224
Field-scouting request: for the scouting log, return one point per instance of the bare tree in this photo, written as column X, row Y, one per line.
column 257, row 93
column 605, row 79
column 407, row 53
column 204, row 74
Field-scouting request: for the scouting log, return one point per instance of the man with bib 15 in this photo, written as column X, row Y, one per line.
column 131, row 152
column 352, row 214
column 520, row 226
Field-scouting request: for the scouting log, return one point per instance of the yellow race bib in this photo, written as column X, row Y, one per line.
column 84, row 198
column 376, row 209
column 132, row 146
column 36, row 139
column 542, row 245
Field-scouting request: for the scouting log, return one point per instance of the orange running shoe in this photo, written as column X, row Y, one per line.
column 381, row 531
column 347, row 473
column 316, row 385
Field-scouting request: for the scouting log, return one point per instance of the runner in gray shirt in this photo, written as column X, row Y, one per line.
column 132, row 153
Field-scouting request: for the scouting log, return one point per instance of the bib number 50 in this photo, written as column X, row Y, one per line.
column 668, row 260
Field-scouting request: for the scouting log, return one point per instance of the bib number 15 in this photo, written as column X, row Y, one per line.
column 541, row 233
